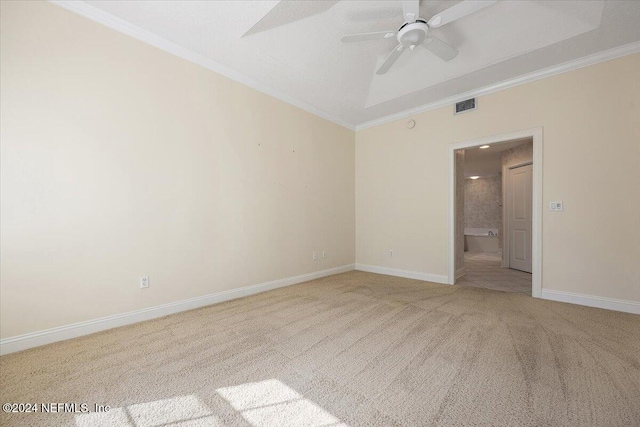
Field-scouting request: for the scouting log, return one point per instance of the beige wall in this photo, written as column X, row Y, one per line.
column 591, row 161
column 120, row 160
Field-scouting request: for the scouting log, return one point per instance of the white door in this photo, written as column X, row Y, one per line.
column 519, row 199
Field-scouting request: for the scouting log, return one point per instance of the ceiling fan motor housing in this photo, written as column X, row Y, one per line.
column 413, row 34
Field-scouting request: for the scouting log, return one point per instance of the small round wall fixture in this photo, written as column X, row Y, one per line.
column 411, row 124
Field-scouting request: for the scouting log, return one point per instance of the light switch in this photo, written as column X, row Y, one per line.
column 555, row 206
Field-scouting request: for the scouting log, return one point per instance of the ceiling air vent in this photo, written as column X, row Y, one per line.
column 466, row 105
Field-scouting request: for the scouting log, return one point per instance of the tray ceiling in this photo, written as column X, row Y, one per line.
column 294, row 48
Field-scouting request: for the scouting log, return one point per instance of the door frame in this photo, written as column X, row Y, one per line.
column 536, row 229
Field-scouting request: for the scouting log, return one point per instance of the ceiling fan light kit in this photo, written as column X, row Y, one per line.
column 414, row 31
column 413, row 34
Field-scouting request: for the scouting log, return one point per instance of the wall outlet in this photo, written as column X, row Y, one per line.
column 555, row 206
column 324, row 254
column 144, row 282
column 315, row 256
column 391, row 253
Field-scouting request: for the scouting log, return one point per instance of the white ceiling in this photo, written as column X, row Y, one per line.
column 295, row 49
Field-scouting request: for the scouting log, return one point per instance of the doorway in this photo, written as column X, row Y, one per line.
column 518, row 235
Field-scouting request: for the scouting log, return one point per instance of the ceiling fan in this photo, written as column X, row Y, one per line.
column 415, row 31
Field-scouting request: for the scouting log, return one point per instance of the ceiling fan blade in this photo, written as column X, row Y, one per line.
column 367, row 36
column 286, row 12
column 391, row 59
column 440, row 48
column 410, row 10
column 458, row 11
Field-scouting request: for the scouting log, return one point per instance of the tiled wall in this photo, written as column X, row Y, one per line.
column 517, row 155
column 483, row 202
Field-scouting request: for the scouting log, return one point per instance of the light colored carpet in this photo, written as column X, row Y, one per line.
column 355, row 349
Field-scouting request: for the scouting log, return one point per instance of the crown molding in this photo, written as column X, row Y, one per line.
column 575, row 64
column 100, row 16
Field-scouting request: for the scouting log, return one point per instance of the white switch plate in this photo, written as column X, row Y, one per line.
column 315, row 256
column 324, row 254
column 144, row 282
column 391, row 253
column 555, row 206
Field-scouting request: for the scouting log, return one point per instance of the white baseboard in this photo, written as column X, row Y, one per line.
column 437, row 278
column 460, row 272
column 592, row 301
column 61, row 333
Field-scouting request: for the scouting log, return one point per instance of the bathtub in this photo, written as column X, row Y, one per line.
column 481, row 240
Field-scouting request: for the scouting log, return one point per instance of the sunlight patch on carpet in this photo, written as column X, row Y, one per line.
column 271, row 403
column 179, row 409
